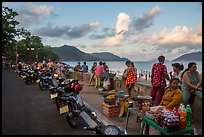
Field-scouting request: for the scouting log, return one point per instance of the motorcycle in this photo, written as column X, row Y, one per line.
column 45, row 80
column 71, row 103
column 31, row 76
column 102, row 129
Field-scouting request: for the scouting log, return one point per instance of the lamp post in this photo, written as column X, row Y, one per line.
column 16, row 57
column 31, row 49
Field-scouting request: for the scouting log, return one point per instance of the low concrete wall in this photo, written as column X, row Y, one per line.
column 118, row 84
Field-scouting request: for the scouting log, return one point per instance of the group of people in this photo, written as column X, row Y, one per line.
column 98, row 72
column 183, row 85
column 54, row 66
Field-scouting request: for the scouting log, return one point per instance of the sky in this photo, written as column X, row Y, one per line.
column 139, row 31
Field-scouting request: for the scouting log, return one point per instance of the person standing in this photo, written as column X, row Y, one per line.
column 99, row 72
column 106, row 68
column 50, row 65
column 191, row 83
column 124, row 76
column 84, row 68
column 158, row 79
column 93, row 68
column 131, row 77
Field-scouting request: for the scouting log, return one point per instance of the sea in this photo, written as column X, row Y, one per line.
column 142, row 66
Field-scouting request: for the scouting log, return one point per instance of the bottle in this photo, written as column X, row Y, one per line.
column 182, row 114
column 189, row 116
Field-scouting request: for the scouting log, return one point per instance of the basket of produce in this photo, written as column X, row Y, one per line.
column 107, row 93
column 111, row 99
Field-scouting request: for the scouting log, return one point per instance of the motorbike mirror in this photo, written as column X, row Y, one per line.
column 93, row 113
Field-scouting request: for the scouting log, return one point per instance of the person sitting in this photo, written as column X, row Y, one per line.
column 173, row 95
column 191, row 84
column 78, row 67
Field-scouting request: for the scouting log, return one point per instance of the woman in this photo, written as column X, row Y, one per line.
column 177, row 72
column 131, row 77
column 99, row 72
column 173, row 95
column 93, row 68
column 191, row 82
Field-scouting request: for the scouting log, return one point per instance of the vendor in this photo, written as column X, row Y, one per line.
column 173, row 95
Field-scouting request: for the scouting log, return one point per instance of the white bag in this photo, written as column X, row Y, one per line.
column 106, row 84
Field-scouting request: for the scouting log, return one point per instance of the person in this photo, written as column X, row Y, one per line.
column 44, row 64
column 191, row 84
column 99, row 72
column 173, row 95
column 158, row 79
column 59, row 68
column 124, row 75
column 92, row 72
column 84, row 67
column 131, row 77
column 177, row 71
column 78, row 67
column 106, row 68
column 50, row 65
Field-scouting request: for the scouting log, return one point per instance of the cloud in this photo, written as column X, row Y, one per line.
column 40, row 10
column 145, row 20
column 122, row 26
column 106, row 32
column 82, row 30
column 52, row 32
column 178, row 36
column 67, row 31
column 32, row 15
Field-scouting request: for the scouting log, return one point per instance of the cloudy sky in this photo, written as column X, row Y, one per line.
column 140, row 31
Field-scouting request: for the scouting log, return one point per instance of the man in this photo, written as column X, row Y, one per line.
column 158, row 79
column 84, row 68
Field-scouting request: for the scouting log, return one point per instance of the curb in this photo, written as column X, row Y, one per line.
column 100, row 116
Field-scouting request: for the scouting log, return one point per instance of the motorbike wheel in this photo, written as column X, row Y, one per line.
column 71, row 117
column 26, row 81
column 41, row 85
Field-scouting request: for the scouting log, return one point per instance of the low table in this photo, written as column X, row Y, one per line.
column 136, row 111
column 150, row 122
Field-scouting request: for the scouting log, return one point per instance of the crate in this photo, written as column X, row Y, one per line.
column 109, row 110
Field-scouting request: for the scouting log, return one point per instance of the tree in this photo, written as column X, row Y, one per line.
column 10, row 32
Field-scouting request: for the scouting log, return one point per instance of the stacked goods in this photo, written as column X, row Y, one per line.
column 110, row 110
column 111, row 99
column 171, row 121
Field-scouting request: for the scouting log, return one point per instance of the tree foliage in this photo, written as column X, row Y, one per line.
column 29, row 48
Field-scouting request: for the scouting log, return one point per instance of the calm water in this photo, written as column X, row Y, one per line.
column 119, row 66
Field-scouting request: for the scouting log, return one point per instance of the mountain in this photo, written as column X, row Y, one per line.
column 71, row 53
column 194, row 56
column 108, row 56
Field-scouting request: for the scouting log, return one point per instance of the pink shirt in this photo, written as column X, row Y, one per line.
column 99, row 70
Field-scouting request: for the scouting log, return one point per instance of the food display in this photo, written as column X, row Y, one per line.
column 166, row 118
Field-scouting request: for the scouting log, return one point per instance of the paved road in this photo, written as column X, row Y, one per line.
column 28, row 110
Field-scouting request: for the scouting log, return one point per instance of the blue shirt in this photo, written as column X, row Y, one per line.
column 84, row 68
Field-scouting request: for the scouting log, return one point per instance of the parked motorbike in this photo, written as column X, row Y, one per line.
column 32, row 75
column 71, row 103
column 102, row 129
column 45, row 80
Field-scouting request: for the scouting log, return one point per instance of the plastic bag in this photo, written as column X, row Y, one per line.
column 106, row 84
